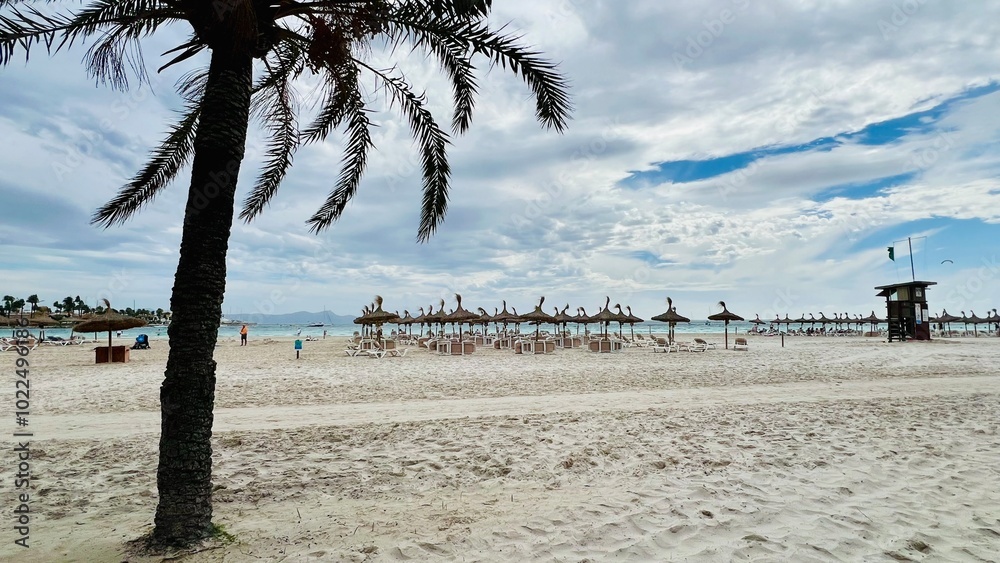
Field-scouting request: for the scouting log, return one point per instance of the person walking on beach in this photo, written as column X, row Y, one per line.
column 243, row 335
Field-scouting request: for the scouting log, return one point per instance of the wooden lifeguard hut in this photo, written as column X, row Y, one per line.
column 906, row 310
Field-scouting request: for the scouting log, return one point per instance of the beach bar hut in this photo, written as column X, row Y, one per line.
column 906, row 308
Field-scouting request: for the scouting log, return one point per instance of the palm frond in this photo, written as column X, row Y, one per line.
column 550, row 88
column 340, row 89
column 454, row 59
column 432, row 142
column 164, row 164
column 359, row 142
column 274, row 103
column 25, row 26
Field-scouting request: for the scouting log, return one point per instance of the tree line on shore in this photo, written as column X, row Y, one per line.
column 72, row 307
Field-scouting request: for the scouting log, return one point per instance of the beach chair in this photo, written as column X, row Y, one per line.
column 693, row 346
column 705, row 344
column 741, row 344
column 141, row 342
column 665, row 347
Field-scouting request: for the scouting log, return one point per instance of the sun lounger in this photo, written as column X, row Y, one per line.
column 705, row 344
column 665, row 347
column 692, row 346
column 741, row 344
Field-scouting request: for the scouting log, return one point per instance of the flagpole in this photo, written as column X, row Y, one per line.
column 913, row 274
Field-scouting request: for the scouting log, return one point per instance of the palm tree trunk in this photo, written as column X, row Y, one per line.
column 187, row 396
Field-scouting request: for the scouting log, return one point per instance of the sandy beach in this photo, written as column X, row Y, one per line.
column 829, row 449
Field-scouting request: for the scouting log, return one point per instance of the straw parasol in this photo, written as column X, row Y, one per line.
column 976, row 321
column 484, row 318
column 824, row 320
column 632, row 320
column 407, row 320
column 726, row 316
column 581, row 318
column 504, row 317
column 538, row 316
column 432, row 318
column 377, row 317
column 605, row 316
column 802, row 320
column 622, row 318
column 41, row 320
column 671, row 318
column 562, row 318
column 460, row 315
column 420, row 319
column 109, row 321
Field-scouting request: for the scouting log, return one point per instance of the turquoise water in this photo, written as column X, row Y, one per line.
column 272, row 331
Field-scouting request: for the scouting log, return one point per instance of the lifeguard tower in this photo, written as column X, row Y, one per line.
column 906, row 308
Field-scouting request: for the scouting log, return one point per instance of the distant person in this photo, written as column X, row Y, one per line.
column 324, row 335
column 243, row 335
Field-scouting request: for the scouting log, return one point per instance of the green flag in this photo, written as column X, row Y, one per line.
column 892, row 253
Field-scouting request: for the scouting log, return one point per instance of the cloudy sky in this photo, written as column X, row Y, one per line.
column 761, row 153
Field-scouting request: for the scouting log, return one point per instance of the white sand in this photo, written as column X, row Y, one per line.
column 831, row 449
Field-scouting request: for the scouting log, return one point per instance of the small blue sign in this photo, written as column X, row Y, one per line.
column 298, row 344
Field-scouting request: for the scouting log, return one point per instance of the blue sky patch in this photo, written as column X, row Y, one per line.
column 875, row 134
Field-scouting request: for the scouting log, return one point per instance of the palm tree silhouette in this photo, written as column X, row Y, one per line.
column 329, row 38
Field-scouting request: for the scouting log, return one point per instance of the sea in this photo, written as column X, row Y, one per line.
column 291, row 330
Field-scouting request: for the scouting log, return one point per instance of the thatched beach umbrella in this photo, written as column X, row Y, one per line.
column 605, row 316
column 671, row 318
column 516, row 319
column 420, row 319
column 407, row 321
column 824, row 320
column 976, row 320
column 484, row 318
column 377, row 317
column 432, row 318
column 41, row 320
column 460, row 315
column 562, row 318
column 109, row 321
column 632, row 320
column 504, row 317
column 538, row 316
column 726, row 316
column 581, row 318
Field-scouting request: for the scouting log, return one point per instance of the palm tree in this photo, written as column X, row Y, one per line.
column 8, row 304
column 69, row 306
column 329, row 38
column 33, row 301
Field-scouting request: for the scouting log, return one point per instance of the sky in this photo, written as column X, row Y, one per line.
column 764, row 154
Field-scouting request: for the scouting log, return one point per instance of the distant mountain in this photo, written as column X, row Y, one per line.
column 297, row 318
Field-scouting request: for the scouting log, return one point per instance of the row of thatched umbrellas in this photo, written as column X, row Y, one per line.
column 375, row 316
column 874, row 320
column 945, row 319
column 110, row 321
